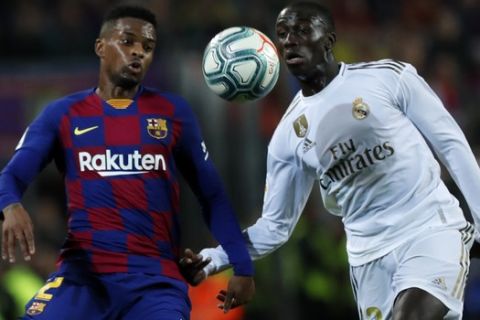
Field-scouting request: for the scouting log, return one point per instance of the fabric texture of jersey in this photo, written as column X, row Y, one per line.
column 363, row 140
column 121, row 168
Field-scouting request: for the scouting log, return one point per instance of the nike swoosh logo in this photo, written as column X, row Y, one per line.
column 79, row 132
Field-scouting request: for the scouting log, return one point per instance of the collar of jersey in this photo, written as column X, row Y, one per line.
column 329, row 88
column 120, row 104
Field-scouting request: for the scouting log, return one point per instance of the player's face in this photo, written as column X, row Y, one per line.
column 127, row 51
column 302, row 41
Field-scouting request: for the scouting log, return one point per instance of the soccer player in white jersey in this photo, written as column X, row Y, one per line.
column 357, row 131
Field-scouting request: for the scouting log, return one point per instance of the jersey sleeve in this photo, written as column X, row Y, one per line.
column 286, row 193
column 423, row 107
column 194, row 162
column 33, row 152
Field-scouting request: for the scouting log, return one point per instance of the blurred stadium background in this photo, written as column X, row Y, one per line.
column 47, row 51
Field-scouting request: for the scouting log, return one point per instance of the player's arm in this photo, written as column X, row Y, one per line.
column 423, row 107
column 286, row 193
column 32, row 153
column 198, row 170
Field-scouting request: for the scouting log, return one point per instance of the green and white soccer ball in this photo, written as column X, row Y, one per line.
column 241, row 64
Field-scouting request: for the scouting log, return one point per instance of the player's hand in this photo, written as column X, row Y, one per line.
column 17, row 227
column 475, row 250
column 240, row 291
column 191, row 267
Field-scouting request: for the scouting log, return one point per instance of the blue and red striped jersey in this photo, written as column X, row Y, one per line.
column 121, row 161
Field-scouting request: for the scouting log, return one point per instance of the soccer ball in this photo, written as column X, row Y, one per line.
column 241, row 64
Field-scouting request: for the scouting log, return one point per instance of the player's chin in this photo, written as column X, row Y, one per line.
column 298, row 70
column 128, row 80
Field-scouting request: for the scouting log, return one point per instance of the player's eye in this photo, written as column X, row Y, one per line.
column 303, row 30
column 148, row 47
column 126, row 41
column 281, row 34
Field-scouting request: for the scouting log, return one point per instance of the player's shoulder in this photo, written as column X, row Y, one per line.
column 294, row 107
column 383, row 67
column 63, row 104
column 167, row 95
column 175, row 99
column 72, row 98
column 294, row 113
column 179, row 106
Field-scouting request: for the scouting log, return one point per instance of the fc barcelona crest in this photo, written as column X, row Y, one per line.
column 36, row 308
column 157, row 128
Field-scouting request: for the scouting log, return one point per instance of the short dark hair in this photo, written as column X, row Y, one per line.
column 129, row 11
column 323, row 11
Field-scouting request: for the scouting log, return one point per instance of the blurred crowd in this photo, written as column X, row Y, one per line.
column 47, row 51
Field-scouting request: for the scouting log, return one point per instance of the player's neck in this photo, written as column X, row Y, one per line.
column 108, row 91
column 320, row 80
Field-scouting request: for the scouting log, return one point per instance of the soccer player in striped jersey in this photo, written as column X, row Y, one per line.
column 121, row 147
column 360, row 131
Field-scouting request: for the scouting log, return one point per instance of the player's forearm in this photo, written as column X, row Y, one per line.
column 220, row 216
column 11, row 191
column 463, row 168
column 455, row 153
column 423, row 107
column 25, row 164
column 287, row 192
column 227, row 232
column 262, row 238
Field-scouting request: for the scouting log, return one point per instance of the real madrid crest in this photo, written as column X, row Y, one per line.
column 300, row 125
column 157, row 128
column 360, row 109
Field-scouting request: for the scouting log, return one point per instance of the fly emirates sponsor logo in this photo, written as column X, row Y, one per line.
column 115, row 164
column 348, row 163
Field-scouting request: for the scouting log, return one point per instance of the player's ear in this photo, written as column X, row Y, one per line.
column 331, row 39
column 100, row 47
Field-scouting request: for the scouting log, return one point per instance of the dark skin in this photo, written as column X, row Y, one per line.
column 475, row 251
column 239, row 292
column 125, row 48
column 305, row 42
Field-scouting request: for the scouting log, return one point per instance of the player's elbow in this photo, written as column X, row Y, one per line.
column 266, row 236
column 281, row 234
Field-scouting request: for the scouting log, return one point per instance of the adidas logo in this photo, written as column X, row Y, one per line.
column 308, row 144
column 440, row 283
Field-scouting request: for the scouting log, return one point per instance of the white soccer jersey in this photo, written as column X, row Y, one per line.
column 362, row 140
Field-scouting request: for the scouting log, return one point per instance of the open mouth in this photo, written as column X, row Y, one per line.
column 293, row 58
column 135, row 66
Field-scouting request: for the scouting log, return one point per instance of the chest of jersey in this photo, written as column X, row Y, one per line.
column 115, row 142
column 341, row 135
